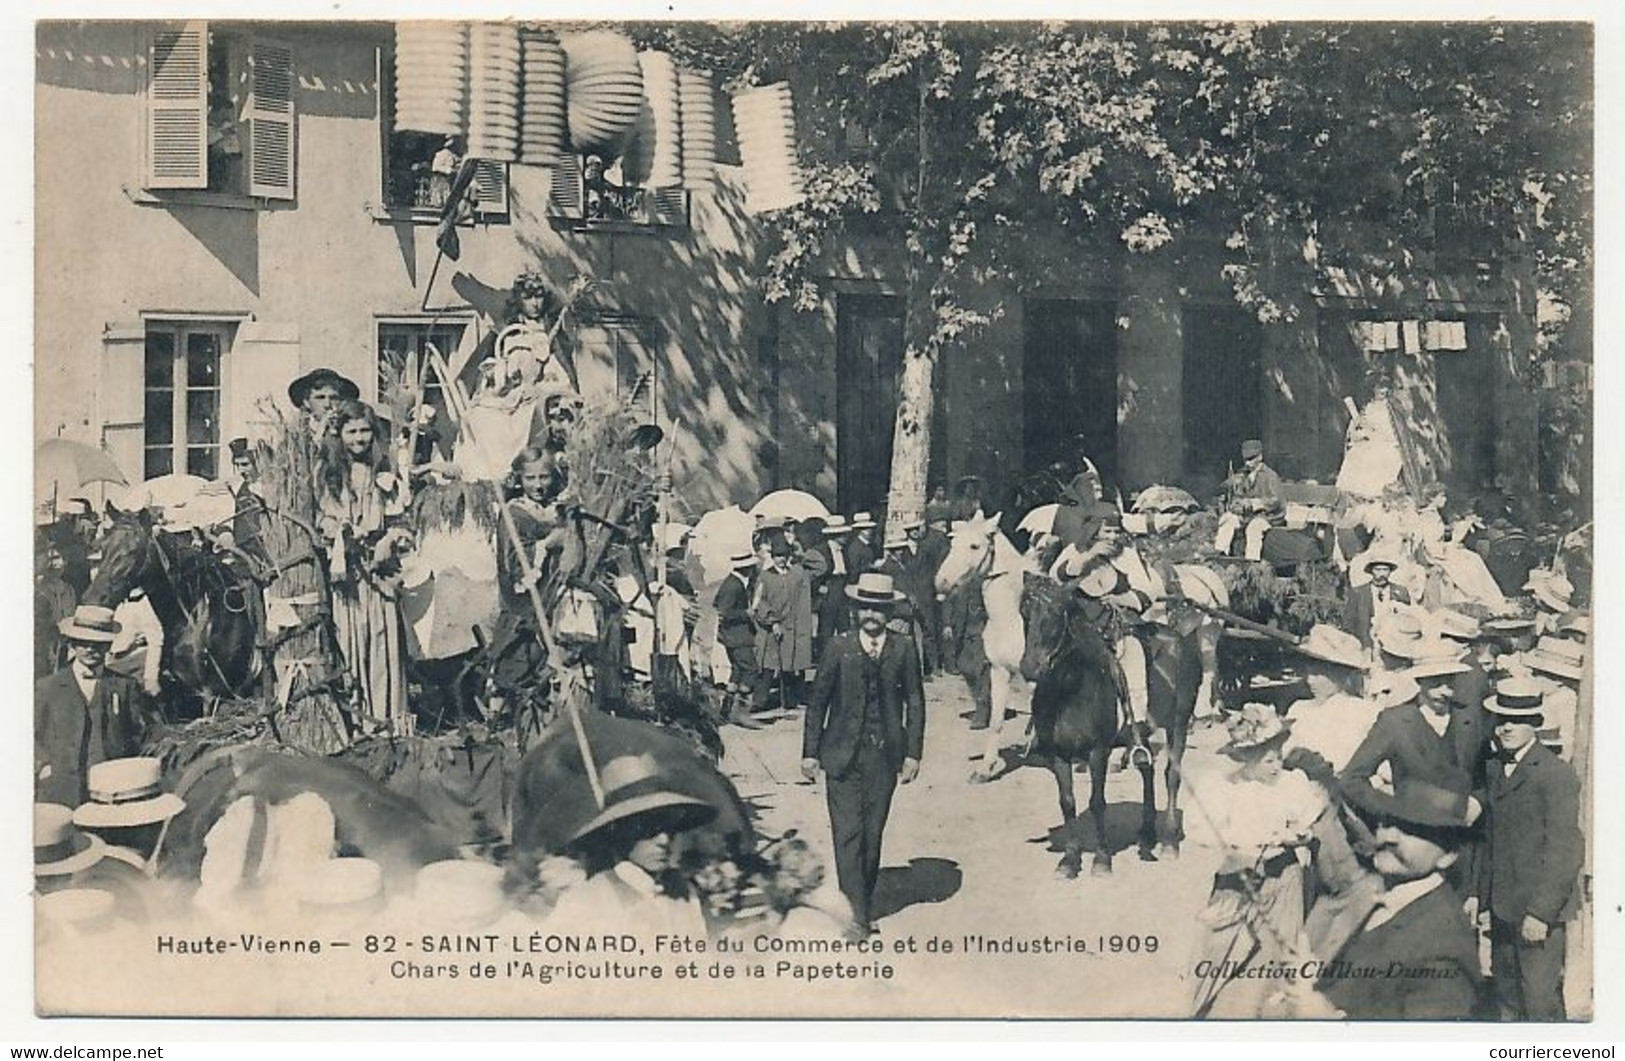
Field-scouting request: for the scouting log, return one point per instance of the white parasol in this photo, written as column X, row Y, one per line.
column 719, row 535
column 789, row 504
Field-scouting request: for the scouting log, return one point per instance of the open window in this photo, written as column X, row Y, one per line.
column 220, row 113
column 419, row 167
column 587, row 193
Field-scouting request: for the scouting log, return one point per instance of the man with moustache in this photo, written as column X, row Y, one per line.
column 865, row 731
column 1416, row 955
column 1529, row 868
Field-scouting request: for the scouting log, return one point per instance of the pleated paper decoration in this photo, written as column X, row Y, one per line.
column 698, row 118
column 541, row 113
column 764, row 118
column 431, row 77
column 603, row 86
column 654, row 157
column 493, row 91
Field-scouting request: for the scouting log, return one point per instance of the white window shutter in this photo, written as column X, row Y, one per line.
column 567, row 197
column 490, row 188
column 178, row 107
column 121, row 401
column 264, row 359
column 272, row 149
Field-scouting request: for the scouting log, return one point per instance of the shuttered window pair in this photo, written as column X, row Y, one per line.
column 570, row 200
column 220, row 113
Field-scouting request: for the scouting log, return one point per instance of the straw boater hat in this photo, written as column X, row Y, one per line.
column 90, row 623
column 1256, row 728
column 863, row 521
column 1554, row 655
column 874, row 590
column 1439, row 659
column 913, row 523
column 300, row 388
column 59, row 848
column 1454, row 624
column 897, row 539
column 126, row 793
column 635, row 790
column 1517, row 699
column 1330, row 645
column 1380, row 555
column 1413, row 802
column 835, row 524
column 740, row 560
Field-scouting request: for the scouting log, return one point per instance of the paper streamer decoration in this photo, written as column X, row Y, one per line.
column 603, row 90
column 431, row 77
column 765, row 120
column 697, row 110
column 542, row 133
column 654, row 157
column 493, row 91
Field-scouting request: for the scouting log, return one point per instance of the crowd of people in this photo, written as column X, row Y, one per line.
column 1416, row 796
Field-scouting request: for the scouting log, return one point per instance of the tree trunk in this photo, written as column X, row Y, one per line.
column 911, row 441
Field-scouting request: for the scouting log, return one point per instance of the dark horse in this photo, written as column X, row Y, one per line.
column 209, row 607
column 1078, row 685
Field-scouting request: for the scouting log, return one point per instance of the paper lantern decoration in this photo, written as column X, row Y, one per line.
column 698, row 117
column 765, row 120
column 493, row 91
column 542, row 133
column 431, row 77
column 603, row 86
column 654, row 157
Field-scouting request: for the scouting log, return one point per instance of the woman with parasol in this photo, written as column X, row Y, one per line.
column 1254, row 915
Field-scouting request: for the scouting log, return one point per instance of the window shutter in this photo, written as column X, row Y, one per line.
column 568, row 197
column 178, row 107
column 669, row 206
column 271, row 146
column 264, row 358
column 491, row 188
column 120, row 398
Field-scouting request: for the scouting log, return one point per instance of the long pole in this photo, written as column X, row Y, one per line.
column 544, row 629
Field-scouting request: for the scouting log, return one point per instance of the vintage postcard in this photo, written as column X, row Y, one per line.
column 868, row 520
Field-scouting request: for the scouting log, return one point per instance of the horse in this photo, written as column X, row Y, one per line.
column 979, row 550
column 207, row 606
column 1078, row 685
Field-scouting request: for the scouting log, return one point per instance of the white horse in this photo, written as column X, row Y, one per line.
column 980, row 550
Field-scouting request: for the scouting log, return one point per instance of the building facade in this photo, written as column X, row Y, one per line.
column 223, row 206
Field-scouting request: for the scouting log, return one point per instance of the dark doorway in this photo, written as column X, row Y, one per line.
column 1222, row 387
column 868, row 359
column 1464, row 382
column 1069, row 386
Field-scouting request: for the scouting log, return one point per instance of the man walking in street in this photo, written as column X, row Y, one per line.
column 1529, row 873
column 865, row 730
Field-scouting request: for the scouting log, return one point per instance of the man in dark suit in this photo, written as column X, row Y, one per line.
column 84, row 714
column 1425, row 734
column 865, row 729
column 1374, row 598
column 736, row 633
column 1416, row 956
column 1530, row 867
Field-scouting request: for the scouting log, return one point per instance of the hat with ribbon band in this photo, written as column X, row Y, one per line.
column 126, row 793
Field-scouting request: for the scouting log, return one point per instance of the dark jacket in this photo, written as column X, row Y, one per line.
column 1359, row 609
column 71, row 736
column 1402, row 738
column 1533, row 849
column 835, row 712
column 1420, row 965
column 734, row 626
